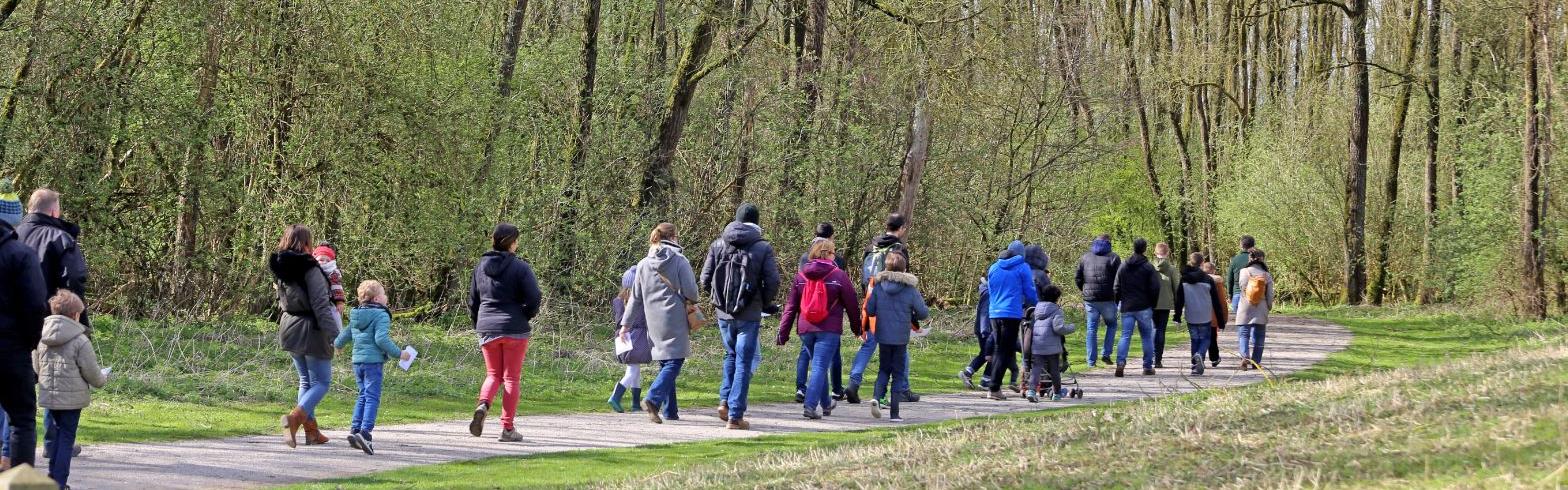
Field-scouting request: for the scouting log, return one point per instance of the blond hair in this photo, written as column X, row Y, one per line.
column 662, row 232
column 370, row 290
column 66, row 303
column 43, row 201
column 822, row 249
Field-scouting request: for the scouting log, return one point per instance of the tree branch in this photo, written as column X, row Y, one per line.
column 903, row 18
column 1404, row 76
column 746, row 41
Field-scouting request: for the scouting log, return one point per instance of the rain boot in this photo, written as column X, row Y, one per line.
column 636, row 399
column 615, row 398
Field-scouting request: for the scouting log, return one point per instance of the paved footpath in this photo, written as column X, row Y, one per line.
column 254, row 461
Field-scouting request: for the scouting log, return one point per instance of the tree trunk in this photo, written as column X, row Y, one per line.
column 1210, row 170
column 1462, row 119
column 7, row 8
column 1356, row 163
column 1532, row 293
column 576, row 153
column 1396, row 145
column 1183, row 200
column 508, row 67
column 1134, row 85
column 284, row 98
column 1434, row 13
column 8, row 107
column 808, row 71
column 658, row 177
column 919, row 149
column 194, row 177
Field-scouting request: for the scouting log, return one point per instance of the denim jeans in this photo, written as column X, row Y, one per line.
column 857, row 370
column 740, row 362
column 662, row 392
column 315, row 378
column 1201, row 334
column 5, row 434
column 1235, row 301
column 824, row 349
column 803, row 366
column 1249, row 342
column 63, row 423
column 1144, row 320
column 1099, row 312
column 368, row 375
column 893, row 362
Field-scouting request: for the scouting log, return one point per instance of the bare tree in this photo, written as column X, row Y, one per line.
column 508, row 67
column 576, row 153
column 1533, row 293
column 1434, row 16
column 1396, row 145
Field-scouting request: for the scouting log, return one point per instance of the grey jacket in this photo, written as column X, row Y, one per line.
column 1048, row 330
column 1246, row 312
column 67, row 366
column 896, row 303
column 661, row 306
column 310, row 321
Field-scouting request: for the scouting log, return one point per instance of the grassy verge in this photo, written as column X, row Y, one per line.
column 1405, row 399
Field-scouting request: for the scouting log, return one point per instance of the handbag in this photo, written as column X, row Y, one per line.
column 694, row 318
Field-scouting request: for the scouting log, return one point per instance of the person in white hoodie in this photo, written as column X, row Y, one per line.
column 67, row 371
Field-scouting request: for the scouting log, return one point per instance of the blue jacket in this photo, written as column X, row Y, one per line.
column 896, row 303
column 1012, row 287
column 370, row 328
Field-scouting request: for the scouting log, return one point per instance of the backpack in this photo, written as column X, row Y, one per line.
column 814, row 301
column 733, row 280
column 1257, row 289
column 876, row 262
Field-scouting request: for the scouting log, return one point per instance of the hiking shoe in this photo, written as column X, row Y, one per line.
column 800, row 396
column 724, row 412
column 908, row 397
column 1148, row 371
column 510, row 435
column 968, row 379
column 876, row 409
column 811, row 414
column 353, row 440
column 738, row 424
column 1105, row 360
column 1159, row 364
column 828, row 410
column 853, row 394
column 653, row 411
column 1197, row 370
column 1119, row 369
column 1033, row 398
column 996, row 395
column 1013, row 387
column 477, row 426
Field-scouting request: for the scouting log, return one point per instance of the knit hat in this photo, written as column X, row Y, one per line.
column 747, row 213
column 325, row 250
column 10, row 203
column 629, row 278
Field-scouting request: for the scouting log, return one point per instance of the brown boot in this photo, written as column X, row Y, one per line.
column 313, row 435
column 291, row 423
column 5, row 463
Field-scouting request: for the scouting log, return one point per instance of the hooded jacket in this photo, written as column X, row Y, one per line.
column 1246, row 312
column 1096, row 275
column 1170, row 282
column 1199, row 299
column 747, row 237
column 23, row 298
column 660, row 293
column 896, row 303
column 841, row 299
column 54, row 240
column 67, row 366
column 503, row 295
column 1137, row 284
column 889, row 241
column 1039, row 266
column 310, row 322
column 370, row 328
column 1049, row 328
column 1012, row 287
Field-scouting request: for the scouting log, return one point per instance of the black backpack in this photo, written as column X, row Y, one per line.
column 735, row 279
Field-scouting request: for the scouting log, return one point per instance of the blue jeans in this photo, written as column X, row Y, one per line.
column 5, row 435
column 63, row 423
column 368, row 375
column 803, row 365
column 1200, row 333
column 740, row 362
column 1249, row 340
column 315, row 378
column 824, row 349
column 857, row 370
column 1098, row 312
column 1235, row 301
column 1144, row 319
column 662, row 392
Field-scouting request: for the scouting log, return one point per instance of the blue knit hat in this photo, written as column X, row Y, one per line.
column 10, row 203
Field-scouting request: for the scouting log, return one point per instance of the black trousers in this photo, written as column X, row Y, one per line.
column 20, row 403
column 890, row 366
column 1005, row 355
column 1052, row 364
column 1161, row 319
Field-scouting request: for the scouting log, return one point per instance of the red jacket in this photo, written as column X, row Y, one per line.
column 841, row 298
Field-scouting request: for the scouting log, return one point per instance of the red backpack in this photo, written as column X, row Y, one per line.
column 814, row 301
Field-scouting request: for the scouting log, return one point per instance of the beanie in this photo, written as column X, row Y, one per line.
column 10, row 203
column 325, row 251
column 747, row 213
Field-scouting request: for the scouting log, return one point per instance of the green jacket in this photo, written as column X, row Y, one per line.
column 1237, row 263
column 369, row 327
column 1170, row 279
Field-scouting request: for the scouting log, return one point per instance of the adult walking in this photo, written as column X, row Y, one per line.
column 633, row 331
column 309, row 324
column 1170, row 283
column 1012, row 290
column 824, row 231
column 741, row 275
column 1096, row 278
column 819, row 299
column 23, row 307
column 1256, row 287
column 873, row 262
column 1200, row 303
column 662, row 294
column 503, row 297
column 1138, row 287
column 1219, row 283
column 1233, row 274
column 54, row 240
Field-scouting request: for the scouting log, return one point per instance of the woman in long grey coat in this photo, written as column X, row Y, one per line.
column 664, row 290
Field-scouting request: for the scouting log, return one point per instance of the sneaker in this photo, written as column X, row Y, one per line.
column 800, row 396
column 358, row 441
column 353, row 440
column 510, row 435
column 1197, row 370
column 724, row 412
column 876, row 409
column 996, row 395
column 896, row 419
column 1033, row 398
column 828, row 410
column 838, row 395
column 811, row 414
column 674, row 417
column 1056, row 397
column 653, row 411
column 364, row 442
column 1215, row 364
column 1013, row 387
column 853, row 394
column 1119, row 370
column 1105, row 360
column 1159, row 365
column 1148, row 371
column 968, row 379
column 738, row 424
column 909, row 397
column 477, row 426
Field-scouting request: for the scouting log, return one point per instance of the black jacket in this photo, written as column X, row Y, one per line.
column 310, row 321
column 1137, row 284
column 748, row 237
column 23, row 300
column 503, row 296
column 1096, row 275
column 54, row 240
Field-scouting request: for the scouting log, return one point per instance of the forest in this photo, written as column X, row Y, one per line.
column 1381, row 151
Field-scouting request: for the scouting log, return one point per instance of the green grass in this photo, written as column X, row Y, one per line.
column 1404, row 400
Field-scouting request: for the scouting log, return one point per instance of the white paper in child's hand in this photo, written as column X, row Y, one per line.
column 412, row 354
column 924, row 331
column 106, row 371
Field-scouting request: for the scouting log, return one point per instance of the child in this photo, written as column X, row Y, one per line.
column 1045, row 344
column 633, row 328
column 328, row 258
column 369, row 327
column 897, row 304
column 66, row 366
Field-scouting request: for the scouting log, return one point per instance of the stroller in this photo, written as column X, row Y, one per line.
column 1070, row 387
